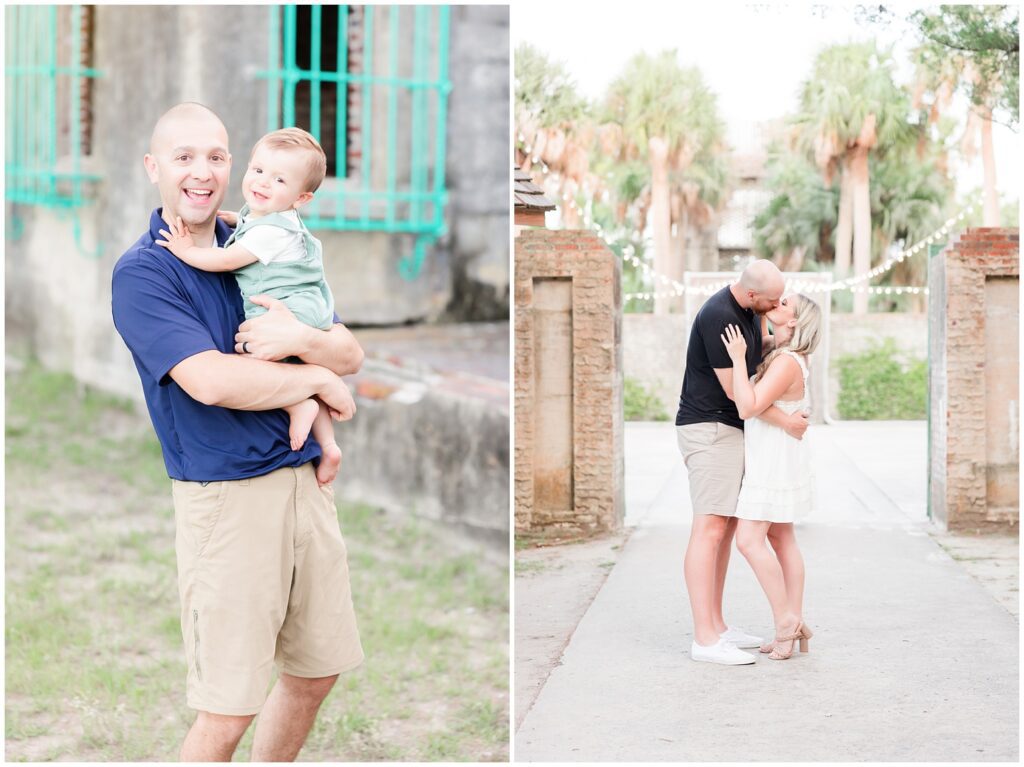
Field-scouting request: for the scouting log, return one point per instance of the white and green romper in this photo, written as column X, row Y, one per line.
column 289, row 267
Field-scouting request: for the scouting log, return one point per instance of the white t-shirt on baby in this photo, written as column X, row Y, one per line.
column 272, row 244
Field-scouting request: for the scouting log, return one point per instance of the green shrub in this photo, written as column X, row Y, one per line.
column 640, row 404
column 882, row 384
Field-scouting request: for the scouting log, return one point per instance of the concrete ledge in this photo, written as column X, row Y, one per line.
column 430, row 444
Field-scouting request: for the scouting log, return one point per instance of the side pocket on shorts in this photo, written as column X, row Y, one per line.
column 201, row 506
column 695, row 436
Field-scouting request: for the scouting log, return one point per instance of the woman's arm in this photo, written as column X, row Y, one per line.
column 179, row 241
column 753, row 400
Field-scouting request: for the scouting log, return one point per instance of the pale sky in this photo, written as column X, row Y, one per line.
column 753, row 57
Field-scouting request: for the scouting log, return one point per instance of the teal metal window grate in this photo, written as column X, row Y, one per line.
column 371, row 83
column 48, row 81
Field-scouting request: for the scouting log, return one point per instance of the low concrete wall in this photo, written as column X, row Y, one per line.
column 654, row 348
column 434, row 446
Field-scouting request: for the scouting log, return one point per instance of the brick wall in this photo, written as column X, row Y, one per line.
column 598, row 501
column 973, row 381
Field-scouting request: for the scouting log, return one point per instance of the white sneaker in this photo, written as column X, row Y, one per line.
column 740, row 638
column 722, row 652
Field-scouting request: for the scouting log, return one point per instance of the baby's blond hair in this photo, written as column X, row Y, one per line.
column 296, row 138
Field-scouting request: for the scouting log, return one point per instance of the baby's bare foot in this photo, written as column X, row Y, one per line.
column 302, row 417
column 330, row 462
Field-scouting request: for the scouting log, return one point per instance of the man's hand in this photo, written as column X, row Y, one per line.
column 274, row 335
column 796, row 425
column 229, row 217
column 178, row 239
column 339, row 400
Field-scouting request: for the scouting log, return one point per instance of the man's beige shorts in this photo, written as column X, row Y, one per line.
column 263, row 578
column 713, row 454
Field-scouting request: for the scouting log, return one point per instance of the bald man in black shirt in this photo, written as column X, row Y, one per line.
column 710, row 435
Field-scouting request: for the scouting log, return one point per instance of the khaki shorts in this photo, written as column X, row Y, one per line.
column 263, row 579
column 713, row 454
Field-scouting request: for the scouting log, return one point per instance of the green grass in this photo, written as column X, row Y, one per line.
column 95, row 667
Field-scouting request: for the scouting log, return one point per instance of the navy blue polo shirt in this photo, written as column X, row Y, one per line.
column 702, row 399
column 166, row 311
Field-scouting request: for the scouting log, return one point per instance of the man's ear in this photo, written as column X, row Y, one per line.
column 302, row 200
column 152, row 169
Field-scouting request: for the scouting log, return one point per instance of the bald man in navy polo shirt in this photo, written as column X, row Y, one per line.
column 262, row 568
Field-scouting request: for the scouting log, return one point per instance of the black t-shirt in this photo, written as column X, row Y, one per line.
column 702, row 399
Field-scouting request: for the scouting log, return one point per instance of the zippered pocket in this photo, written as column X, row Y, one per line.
column 195, row 632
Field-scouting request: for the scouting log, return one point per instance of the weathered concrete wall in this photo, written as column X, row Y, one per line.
column 433, row 446
column 974, row 379
column 654, row 348
column 579, row 296
column 654, row 354
column 479, row 171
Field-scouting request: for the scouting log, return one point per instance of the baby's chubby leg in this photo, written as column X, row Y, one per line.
column 323, row 433
column 302, row 417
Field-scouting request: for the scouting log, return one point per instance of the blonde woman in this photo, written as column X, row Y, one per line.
column 778, row 484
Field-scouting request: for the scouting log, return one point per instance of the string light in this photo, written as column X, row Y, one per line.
column 853, row 284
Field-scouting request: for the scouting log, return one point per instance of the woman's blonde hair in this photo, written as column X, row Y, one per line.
column 806, row 333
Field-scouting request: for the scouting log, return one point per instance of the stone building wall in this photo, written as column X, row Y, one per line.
column 974, row 381
column 568, row 385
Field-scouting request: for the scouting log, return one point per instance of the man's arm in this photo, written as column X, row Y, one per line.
column 277, row 334
column 242, row 383
column 794, row 425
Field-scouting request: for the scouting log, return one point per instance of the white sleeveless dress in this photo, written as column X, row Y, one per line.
column 778, row 481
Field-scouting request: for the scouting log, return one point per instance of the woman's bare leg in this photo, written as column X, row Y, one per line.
column 751, row 541
column 783, row 540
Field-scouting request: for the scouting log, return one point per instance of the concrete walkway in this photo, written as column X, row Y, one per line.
column 912, row 658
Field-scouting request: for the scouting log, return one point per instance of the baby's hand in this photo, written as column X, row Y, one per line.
column 178, row 240
column 734, row 342
column 229, row 217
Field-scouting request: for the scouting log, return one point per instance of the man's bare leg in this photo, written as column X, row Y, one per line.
column 214, row 737
column 700, row 571
column 721, row 567
column 288, row 716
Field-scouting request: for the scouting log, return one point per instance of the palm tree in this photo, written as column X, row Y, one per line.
column 939, row 72
column 795, row 225
column 668, row 116
column 911, row 195
column 553, row 128
column 850, row 108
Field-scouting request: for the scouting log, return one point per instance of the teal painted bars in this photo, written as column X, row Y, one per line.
column 372, row 198
column 34, row 108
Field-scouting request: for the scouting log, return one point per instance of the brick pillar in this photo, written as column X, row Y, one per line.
column 973, row 381
column 568, row 384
